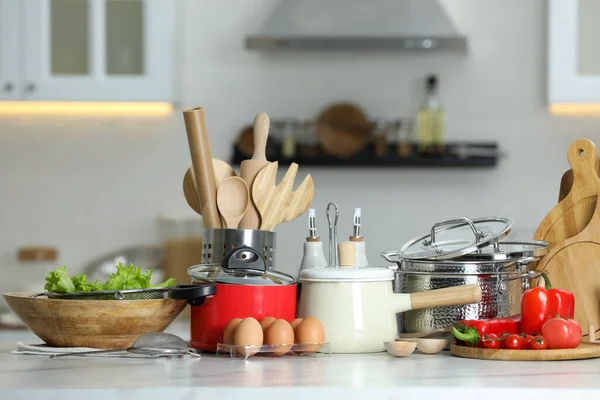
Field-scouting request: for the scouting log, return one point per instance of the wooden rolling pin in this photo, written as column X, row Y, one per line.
column 202, row 163
column 250, row 168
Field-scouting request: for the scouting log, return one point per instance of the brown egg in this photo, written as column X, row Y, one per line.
column 295, row 323
column 266, row 322
column 248, row 333
column 229, row 330
column 310, row 331
column 281, row 336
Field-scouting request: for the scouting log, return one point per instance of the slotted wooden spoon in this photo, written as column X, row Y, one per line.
column 574, row 212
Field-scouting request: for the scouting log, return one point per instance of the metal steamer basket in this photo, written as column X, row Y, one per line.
column 217, row 243
column 448, row 257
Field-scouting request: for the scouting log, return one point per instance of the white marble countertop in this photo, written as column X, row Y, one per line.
column 374, row 376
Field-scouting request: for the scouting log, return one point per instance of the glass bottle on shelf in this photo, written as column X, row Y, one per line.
column 381, row 130
column 403, row 137
column 288, row 147
column 430, row 120
column 307, row 141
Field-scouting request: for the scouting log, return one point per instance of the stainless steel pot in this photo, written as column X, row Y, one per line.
column 502, row 284
column 461, row 251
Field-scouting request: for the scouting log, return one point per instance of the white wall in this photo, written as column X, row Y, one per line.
column 90, row 185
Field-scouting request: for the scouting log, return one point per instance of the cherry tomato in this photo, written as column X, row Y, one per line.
column 513, row 342
column 538, row 343
column 490, row 343
column 562, row 333
column 526, row 341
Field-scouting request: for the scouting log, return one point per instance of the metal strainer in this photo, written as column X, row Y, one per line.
column 151, row 344
column 132, row 294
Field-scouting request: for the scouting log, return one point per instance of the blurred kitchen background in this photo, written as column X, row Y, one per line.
column 88, row 180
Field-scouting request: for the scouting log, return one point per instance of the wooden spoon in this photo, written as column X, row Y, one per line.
column 222, row 171
column 233, row 199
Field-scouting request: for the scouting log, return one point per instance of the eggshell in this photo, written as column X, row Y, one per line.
column 281, row 336
column 310, row 331
column 248, row 333
column 229, row 330
column 266, row 322
column 295, row 323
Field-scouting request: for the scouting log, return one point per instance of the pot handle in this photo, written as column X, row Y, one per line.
column 194, row 294
column 244, row 258
column 452, row 221
column 528, row 275
column 387, row 255
column 450, row 296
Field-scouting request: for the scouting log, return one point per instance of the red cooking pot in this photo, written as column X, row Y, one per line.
column 239, row 287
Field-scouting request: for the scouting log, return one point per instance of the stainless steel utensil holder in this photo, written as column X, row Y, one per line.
column 217, row 242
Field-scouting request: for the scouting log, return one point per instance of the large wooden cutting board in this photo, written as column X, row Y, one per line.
column 583, row 351
column 574, row 212
column 574, row 264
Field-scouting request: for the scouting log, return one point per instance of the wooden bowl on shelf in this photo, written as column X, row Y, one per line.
column 100, row 324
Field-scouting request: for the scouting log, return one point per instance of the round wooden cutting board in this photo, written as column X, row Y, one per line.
column 583, row 351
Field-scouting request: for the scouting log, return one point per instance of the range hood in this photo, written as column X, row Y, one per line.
column 357, row 25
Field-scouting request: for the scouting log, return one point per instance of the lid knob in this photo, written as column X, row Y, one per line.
column 347, row 254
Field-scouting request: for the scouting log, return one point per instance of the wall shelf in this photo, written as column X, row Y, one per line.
column 457, row 154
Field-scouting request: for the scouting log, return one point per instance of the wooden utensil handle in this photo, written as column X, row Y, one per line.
column 452, row 296
column 261, row 133
column 202, row 164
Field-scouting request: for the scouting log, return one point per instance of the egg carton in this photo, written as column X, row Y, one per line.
column 274, row 350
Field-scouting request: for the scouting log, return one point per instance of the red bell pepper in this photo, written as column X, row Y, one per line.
column 539, row 304
column 471, row 332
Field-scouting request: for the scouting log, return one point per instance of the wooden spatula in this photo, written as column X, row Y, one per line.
column 300, row 200
column 249, row 169
column 271, row 199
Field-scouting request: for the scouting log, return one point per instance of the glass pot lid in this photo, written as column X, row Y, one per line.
column 241, row 266
column 503, row 251
column 456, row 237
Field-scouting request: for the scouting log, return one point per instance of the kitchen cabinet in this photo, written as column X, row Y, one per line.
column 573, row 56
column 9, row 49
column 87, row 50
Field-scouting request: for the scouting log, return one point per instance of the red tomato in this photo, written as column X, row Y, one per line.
column 538, row 343
column 526, row 341
column 562, row 333
column 490, row 343
column 513, row 342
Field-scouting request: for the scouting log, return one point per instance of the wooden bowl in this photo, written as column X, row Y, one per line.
column 343, row 129
column 100, row 324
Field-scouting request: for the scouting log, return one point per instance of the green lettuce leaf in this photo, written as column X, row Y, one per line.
column 82, row 286
column 168, row 283
column 58, row 281
column 130, row 277
column 124, row 278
